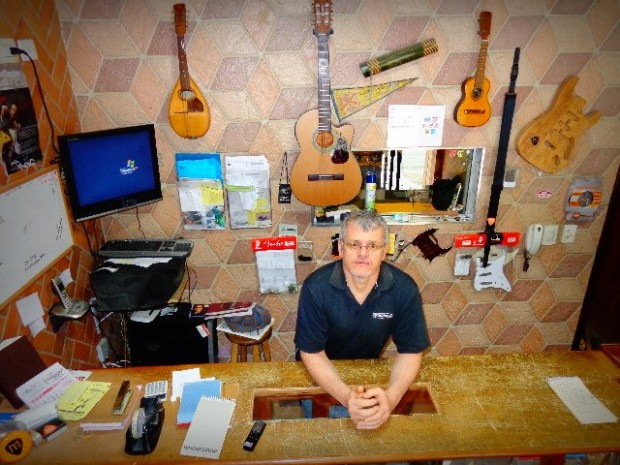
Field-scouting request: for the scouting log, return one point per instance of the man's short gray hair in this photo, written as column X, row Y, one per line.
column 366, row 220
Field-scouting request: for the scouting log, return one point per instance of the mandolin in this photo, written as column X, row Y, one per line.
column 324, row 173
column 549, row 141
column 188, row 111
column 474, row 109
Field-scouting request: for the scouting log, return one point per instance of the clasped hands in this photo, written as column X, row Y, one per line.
column 369, row 408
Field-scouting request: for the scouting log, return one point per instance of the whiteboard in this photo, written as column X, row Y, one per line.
column 34, row 230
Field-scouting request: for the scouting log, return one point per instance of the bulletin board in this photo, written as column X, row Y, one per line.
column 34, row 229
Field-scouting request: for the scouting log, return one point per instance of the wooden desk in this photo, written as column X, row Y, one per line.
column 489, row 406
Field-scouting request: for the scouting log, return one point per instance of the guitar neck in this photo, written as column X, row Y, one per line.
column 183, row 70
column 482, row 61
column 325, row 123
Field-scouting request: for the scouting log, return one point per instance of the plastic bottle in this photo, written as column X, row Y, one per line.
column 371, row 190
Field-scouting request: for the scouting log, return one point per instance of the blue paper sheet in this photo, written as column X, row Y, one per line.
column 192, row 393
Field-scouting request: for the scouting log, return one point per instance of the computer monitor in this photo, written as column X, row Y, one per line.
column 111, row 170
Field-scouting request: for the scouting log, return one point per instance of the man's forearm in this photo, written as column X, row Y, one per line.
column 325, row 375
column 404, row 371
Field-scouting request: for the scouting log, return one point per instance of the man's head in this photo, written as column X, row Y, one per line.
column 363, row 242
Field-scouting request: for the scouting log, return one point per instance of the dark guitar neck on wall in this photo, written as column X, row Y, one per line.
column 325, row 173
column 474, row 109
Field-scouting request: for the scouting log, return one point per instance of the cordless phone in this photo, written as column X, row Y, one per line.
column 68, row 308
column 62, row 293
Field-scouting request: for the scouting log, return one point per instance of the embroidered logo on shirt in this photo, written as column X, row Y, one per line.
column 382, row 316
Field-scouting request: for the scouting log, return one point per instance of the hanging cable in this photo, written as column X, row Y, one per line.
column 18, row 51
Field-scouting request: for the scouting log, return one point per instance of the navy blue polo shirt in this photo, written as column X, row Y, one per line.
column 329, row 318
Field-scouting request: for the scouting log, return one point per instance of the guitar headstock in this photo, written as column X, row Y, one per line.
column 180, row 21
column 485, row 24
column 322, row 10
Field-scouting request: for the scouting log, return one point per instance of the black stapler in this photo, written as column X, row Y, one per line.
column 143, row 434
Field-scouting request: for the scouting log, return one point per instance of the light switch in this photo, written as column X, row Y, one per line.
column 550, row 234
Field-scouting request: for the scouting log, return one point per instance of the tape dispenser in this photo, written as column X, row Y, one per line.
column 143, row 434
column 15, row 441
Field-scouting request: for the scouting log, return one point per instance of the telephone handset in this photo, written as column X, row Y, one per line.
column 533, row 238
column 69, row 308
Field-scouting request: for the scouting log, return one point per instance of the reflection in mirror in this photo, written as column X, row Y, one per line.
column 292, row 403
column 416, row 185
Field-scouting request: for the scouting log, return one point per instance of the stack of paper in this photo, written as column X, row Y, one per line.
column 101, row 417
column 46, row 387
column 580, row 401
column 207, row 432
column 192, row 393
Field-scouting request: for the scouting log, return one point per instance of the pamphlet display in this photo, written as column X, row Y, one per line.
column 247, row 188
column 201, row 190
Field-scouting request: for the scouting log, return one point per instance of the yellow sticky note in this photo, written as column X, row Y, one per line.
column 211, row 195
column 80, row 398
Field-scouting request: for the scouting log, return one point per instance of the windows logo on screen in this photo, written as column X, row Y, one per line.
column 129, row 168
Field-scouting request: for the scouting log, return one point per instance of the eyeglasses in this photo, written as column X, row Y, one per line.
column 357, row 247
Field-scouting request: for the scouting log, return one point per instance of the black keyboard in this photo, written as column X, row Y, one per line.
column 135, row 248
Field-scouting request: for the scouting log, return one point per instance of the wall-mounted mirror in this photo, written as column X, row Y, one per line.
column 416, row 185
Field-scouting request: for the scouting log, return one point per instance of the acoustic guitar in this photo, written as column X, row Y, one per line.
column 188, row 110
column 324, row 173
column 549, row 141
column 474, row 109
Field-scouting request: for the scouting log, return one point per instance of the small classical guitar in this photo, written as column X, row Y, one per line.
column 324, row 173
column 474, row 109
column 549, row 141
column 188, row 110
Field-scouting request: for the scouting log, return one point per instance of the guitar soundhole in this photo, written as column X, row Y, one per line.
column 324, row 139
column 477, row 93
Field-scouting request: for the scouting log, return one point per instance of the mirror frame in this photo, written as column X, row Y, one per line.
column 466, row 215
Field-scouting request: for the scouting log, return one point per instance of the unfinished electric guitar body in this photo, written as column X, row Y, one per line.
column 549, row 141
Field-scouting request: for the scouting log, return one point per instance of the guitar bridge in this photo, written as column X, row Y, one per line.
column 475, row 112
column 326, row 177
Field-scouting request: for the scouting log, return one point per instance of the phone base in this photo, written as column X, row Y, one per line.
column 77, row 310
column 59, row 315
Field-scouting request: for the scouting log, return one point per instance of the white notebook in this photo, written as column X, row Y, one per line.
column 580, row 401
column 207, row 432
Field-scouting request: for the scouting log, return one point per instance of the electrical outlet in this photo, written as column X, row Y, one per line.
column 510, row 177
column 5, row 52
column 568, row 233
column 28, row 46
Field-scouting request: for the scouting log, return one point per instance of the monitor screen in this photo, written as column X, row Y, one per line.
column 111, row 170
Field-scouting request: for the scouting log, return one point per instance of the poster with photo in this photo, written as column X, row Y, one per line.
column 19, row 135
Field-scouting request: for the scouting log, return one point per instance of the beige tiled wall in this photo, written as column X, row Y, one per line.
column 255, row 61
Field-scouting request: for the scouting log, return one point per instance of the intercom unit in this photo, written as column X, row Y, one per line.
column 533, row 238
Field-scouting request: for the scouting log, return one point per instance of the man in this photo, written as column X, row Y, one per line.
column 350, row 308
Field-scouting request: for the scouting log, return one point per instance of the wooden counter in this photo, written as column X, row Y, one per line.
column 488, row 406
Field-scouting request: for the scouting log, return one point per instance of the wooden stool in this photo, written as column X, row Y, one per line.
column 239, row 348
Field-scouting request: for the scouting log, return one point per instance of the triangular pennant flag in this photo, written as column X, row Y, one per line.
column 353, row 99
